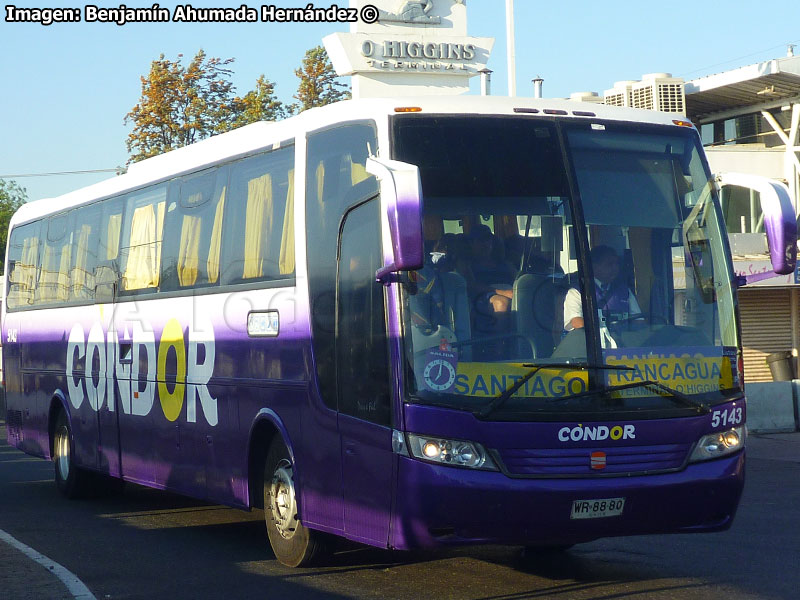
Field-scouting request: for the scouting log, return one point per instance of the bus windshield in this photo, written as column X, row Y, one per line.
column 557, row 243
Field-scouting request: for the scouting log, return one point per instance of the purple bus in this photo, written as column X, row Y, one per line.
column 410, row 324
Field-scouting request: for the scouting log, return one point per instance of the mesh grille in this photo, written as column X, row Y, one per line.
column 576, row 462
column 614, row 99
column 642, row 98
column 671, row 97
column 662, row 94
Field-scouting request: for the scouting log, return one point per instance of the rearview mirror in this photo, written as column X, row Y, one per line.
column 401, row 199
column 780, row 224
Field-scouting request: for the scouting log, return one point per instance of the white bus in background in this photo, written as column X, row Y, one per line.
column 746, row 199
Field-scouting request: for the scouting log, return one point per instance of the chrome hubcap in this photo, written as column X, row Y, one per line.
column 283, row 505
column 61, row 448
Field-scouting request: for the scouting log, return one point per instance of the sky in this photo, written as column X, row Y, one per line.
column 66, row 88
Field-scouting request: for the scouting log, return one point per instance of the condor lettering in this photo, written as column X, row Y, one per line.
column 194, row 366
column 597, row 433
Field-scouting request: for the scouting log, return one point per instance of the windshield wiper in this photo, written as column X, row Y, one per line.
column 500, row 399
column 668, row 392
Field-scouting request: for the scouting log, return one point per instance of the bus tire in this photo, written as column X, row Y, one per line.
column 71, row 480
column 294, row 544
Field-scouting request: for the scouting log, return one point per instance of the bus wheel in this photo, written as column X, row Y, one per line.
column 294, row 544
column 70, row 479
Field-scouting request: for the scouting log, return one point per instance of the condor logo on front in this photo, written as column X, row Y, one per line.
column 599, row 433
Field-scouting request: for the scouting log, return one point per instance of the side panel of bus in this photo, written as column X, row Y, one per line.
column 165, row 321
column 196, row 383
column 131, row 315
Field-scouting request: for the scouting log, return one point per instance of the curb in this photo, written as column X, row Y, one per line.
column 772, row 407
column 26, row 574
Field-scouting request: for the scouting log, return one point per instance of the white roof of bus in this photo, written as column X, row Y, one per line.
column 252, row 138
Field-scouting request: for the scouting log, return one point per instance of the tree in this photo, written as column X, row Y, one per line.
column 184, row 104
column 319, row 84
column 259, row 104
column 180, row 105
column 12, row 196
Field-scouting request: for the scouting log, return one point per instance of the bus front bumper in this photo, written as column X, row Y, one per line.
column 439, row 505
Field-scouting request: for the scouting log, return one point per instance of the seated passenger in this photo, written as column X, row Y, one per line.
column 489, row 278
column 514, row 250
column 614, row 297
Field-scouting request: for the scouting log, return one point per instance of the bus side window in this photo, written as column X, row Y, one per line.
column 23, row 262
column 260, row 236
column 54, row 281
column 85, row 242
column 141, row 239
column 106, row 270
column 193, row 231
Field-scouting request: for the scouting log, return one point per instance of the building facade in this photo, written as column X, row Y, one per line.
column 749, row 119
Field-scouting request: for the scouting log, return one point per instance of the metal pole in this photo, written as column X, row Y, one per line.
column 791, row 160
column 486, row 82
column 793, row 297
column 792, row 168
column 510, row 52
column 537, row 87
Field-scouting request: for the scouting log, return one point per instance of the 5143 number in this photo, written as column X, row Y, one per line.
column 724, row 418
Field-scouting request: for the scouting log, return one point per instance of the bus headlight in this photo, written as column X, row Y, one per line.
column 456, row 453
column 719, row 444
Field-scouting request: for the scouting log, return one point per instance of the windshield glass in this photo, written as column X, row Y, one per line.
column 519, row 275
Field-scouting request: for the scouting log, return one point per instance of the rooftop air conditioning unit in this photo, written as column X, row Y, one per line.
column 659, row 91
column 591, row 97
column 619, row 95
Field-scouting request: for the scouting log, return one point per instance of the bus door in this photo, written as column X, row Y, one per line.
column 101, row 392
column 138, row 263
column 135, row 392
column 364, row 398
column 94, row 277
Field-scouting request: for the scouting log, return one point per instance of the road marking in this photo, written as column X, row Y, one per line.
column 75, row 586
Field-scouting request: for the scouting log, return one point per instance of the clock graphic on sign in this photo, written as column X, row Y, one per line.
column 439, row 374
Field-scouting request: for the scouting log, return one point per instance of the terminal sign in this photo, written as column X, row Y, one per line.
column 399, row 54
column 413, row 48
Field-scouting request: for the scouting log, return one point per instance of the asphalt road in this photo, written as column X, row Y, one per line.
column 148, row 544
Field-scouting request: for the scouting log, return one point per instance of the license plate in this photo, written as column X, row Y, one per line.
column 595, row 509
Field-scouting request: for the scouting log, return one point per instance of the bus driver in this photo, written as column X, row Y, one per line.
column 614, row 297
